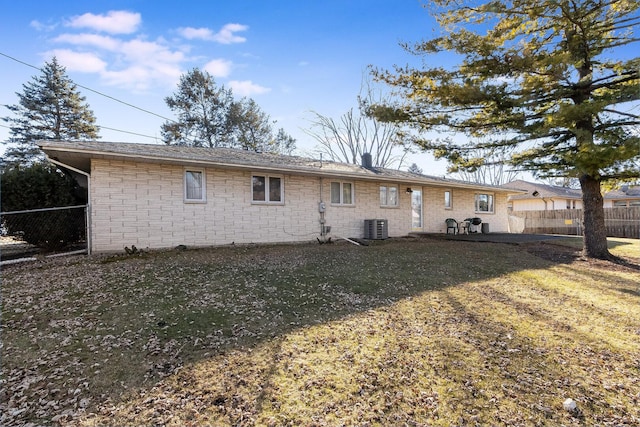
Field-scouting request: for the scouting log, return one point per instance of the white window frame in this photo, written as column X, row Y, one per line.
column 491, row 200
column 341, row 202
column 203, row 198
column 450, row 204
column 267, row 189
column 385, row 203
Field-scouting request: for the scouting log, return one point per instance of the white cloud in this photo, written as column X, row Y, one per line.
column 247, row 88
column 143, row 51
column 114, row 22
column 136, row 77
column 191, row 33
column 144, row 63
column 225, row 36
column 109, row 46
column 79, row 61
column 219, row 67
column 94, row 40
column 39, row 26
column 134, row 64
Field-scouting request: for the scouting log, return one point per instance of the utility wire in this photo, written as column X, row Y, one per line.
column 106, row 127
column 130, row 133
column 92, row 90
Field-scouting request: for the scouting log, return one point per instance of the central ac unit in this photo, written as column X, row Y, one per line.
column 376, row 229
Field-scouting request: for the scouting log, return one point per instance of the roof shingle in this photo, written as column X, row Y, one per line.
column 78, row 155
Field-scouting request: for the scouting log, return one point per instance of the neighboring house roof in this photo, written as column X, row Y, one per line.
column 623, row 193
column 79, row 154
column 543, row 191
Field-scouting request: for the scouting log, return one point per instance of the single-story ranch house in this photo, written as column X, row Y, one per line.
column 543, row 197
column 159, row 196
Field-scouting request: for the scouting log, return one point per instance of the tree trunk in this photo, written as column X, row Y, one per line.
column 595, row 233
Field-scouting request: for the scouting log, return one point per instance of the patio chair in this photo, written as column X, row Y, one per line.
column 452, row 224
column 463, row 227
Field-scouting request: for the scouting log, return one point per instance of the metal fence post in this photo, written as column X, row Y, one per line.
column 87, row 222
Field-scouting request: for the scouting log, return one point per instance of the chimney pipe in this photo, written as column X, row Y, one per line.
column 367, row 161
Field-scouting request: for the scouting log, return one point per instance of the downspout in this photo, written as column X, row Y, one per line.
column 88, row 213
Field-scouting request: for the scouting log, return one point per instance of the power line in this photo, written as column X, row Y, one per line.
column 92, row 90
column 108, row 128
column 130, row 133
column 101, row 94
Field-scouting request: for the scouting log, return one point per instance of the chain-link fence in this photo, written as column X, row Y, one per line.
column 42, row 231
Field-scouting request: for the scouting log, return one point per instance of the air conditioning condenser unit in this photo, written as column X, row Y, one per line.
column 376, row 229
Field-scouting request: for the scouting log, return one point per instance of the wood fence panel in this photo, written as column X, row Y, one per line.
column 619, row 222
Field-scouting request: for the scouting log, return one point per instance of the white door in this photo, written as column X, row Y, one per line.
column 416, row 209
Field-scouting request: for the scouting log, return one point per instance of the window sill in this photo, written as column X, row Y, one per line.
column 258, row 203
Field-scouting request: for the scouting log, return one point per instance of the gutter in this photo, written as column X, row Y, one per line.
column 88, row 216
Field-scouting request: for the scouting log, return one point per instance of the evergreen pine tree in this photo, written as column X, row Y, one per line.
column 49, row 108
column 545, row 80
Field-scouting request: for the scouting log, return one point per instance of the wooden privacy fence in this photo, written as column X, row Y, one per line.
column 620, row 222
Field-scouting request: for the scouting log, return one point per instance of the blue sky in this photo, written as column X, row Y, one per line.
column 291, row 57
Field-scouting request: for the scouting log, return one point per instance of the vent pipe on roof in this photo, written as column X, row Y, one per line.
column 367, row 161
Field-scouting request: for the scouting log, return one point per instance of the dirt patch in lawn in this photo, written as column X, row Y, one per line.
column 560, row 253
column 554, row 253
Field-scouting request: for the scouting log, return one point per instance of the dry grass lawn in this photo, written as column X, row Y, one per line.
column 415, row 332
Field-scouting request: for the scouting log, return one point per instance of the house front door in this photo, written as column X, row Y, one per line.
column 416, row 209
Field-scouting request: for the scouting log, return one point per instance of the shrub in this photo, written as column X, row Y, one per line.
column 36, row 186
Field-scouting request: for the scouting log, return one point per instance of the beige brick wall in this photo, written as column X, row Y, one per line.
column 348, row 221
column 462, row 207
column 142, row 204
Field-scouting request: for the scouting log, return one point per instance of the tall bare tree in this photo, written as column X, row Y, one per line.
column 486, row 166
column 356, row 132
